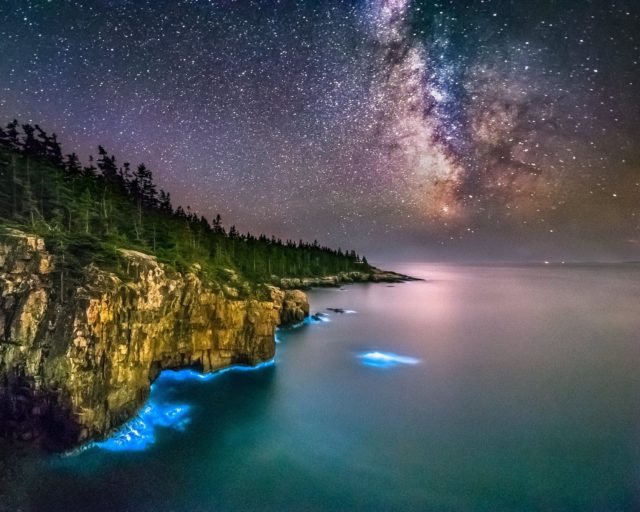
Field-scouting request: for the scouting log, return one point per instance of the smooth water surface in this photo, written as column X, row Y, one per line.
column 479, row 389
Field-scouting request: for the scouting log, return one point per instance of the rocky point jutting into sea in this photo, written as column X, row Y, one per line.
column 74, row 370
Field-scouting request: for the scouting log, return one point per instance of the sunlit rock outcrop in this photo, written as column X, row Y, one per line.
column 75, row 366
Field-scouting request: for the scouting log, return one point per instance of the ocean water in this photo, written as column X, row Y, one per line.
column 478, row 389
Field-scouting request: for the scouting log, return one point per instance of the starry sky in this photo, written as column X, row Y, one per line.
column 406, row 129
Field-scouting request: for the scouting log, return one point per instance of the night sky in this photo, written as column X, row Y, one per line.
column 403, row 129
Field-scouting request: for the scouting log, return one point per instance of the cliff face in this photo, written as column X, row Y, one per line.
column 73, row 370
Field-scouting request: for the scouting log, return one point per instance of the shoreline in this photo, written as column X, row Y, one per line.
column 375, row 275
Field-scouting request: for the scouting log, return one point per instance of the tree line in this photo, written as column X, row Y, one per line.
column 86, row 212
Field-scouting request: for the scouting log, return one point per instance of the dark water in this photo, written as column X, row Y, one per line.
column 517, row 389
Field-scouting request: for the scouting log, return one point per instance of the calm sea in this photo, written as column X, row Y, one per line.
column 478, row 389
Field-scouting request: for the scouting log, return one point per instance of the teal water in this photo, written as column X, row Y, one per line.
column 517, row 389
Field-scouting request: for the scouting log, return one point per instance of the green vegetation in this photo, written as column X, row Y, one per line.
column 86, row 213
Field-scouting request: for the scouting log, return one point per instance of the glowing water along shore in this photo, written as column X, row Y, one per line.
column 476, row 387
column 140, row 432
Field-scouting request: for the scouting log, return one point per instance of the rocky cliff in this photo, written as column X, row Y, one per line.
column 372, row 275
column 73, row 367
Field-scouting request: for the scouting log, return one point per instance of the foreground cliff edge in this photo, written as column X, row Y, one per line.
column 74, row 370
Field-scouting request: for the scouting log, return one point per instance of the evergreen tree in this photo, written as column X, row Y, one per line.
column 87, row 212
column 30, row 145
column 13, row 135
column 73, row 164
column 4, row 139
column 54, row 151
column 107, row 166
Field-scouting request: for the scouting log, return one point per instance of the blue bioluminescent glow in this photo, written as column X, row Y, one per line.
column 140, row 432
column 317, row 318
column 291, row 327
column 193, row 375
column 385, row 359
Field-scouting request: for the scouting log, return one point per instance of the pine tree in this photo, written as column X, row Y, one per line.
column 87, row 205
column 72, row 164
column 53, row 151
column 13, row 135
column 90, row 170
column 59, row 198
column 4, row 139
column 107, row 166
column 30, row 145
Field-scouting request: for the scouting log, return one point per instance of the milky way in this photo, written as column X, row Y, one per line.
column 468, row 129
